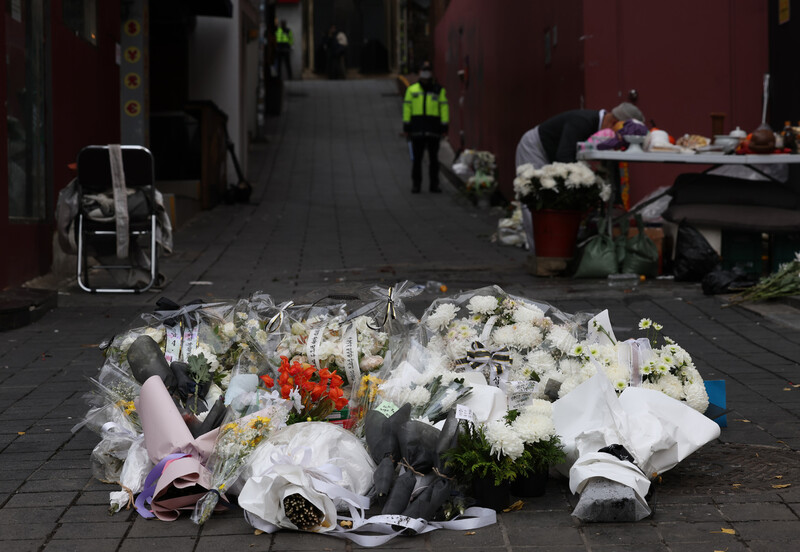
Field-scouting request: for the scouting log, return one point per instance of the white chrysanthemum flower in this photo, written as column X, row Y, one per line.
column 504, row 336
column 157, row 334
column 261, row 337
column 327, row 349
column 568, row 385
column 645, row 323
column 211, row 358
column 671, row 386
column 541, row 362
column 527, row 313
column 658, row 327
column 504, row 440
column 229, row 330
column 605, row 192
column 570, row 366
column 419, row 396
column 127, row 342
column 696, row 396
column 483, row 304
column 548, row 183
column 526, row 171
column 252, row 324
column 241, row 316
column 527, row 336
column 578, row 350
column 298, row 329
column 533, row 427
column 561, row 339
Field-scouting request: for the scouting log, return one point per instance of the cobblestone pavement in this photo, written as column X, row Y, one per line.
column 331, row 206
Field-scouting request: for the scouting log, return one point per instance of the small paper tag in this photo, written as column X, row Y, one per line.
column 519, row 393
column 387, row 408
column 464, row 413
column 172, row 350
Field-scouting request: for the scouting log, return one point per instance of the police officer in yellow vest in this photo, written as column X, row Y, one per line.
column 425, row 119
column 283, row 47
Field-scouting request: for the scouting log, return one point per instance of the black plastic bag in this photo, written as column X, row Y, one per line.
column 726, row 281
column 694, row 256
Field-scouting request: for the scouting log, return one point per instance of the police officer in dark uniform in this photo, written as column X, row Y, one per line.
column 426, row 116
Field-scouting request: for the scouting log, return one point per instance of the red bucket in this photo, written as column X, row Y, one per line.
column 555, row 232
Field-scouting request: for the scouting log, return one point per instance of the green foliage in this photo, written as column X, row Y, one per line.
column 544, row 454
column 199, row 368
column 200, row 372
column 472, row 459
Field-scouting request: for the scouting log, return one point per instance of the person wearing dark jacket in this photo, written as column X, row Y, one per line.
column 556, row 138
column 426, row 116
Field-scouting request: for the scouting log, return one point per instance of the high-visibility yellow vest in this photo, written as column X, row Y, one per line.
column 284, row 37
column 419, row 103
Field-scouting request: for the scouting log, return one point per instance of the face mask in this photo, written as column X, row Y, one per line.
column 425, row 74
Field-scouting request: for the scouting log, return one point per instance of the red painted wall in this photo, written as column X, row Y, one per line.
column 84, row 109
column 685, row 58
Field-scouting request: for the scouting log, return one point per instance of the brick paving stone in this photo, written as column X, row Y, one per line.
column 620, row 534
column 758, row 512
column 164, row 543
column 710, row 532
column 79, row 513
column 522, row 535
column 781, row 531
column 93, row 529
column 255, row 543
column 26, row 531
column 666, row 512
column 285, row 540
column 487, row 537
column 149, row 528
column 79, row 544
column 37, row 500
column 22, row 545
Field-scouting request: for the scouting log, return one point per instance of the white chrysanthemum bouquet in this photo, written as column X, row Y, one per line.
column 570, row 186
column 511, row 341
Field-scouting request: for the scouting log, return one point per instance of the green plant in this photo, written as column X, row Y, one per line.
column 472, row 458
column 200, row 372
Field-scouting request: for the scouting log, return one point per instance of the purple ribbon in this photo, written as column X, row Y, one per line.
column 150, row 484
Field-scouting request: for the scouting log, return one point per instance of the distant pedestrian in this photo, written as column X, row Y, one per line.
column 556, row 139
column 283, row 46
column 426, row 116
column 335, row 46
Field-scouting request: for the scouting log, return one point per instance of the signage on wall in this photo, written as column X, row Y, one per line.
column 784, row 11
column 133, row 75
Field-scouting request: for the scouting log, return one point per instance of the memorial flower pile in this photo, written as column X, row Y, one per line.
column 207, row 403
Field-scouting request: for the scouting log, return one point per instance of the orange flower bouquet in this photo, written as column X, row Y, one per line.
column 315, row 393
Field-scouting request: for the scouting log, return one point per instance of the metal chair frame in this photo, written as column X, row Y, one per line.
column 93, row 162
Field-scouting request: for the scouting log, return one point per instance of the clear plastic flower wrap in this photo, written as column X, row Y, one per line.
column 512, row 341
column 238, row 439
column 654, row 362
